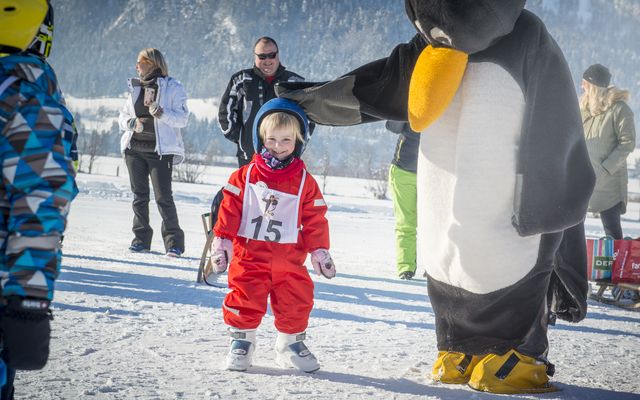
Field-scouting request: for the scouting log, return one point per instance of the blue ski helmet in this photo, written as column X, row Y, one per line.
column 281, row 105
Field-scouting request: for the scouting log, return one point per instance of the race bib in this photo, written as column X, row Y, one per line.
column 270, row 215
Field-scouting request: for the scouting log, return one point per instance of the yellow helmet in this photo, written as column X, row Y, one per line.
column 19, row 23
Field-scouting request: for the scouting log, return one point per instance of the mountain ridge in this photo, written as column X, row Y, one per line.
column 205, row 41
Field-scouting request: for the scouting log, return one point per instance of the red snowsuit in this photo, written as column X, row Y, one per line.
column 261, row 268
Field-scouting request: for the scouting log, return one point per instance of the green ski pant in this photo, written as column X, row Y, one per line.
column 405, row 198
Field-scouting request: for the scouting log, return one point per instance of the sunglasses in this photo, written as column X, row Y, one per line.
column 270, row 56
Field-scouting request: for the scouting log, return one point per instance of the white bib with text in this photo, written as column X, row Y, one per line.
column 270, row 215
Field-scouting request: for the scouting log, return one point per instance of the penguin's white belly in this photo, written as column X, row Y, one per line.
column 466, row 184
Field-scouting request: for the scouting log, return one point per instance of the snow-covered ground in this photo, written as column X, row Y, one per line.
column 139, row 327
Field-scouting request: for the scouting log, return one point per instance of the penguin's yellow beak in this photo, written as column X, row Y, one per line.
column 434, row 81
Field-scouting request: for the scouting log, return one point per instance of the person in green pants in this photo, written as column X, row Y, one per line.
column 402, row 181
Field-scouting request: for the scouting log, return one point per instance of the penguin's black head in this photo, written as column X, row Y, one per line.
column 466, row 25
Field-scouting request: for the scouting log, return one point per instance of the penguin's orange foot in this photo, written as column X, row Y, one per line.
column 452, row 367
column 510, row 373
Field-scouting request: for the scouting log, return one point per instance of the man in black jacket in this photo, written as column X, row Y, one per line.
column 247, row 91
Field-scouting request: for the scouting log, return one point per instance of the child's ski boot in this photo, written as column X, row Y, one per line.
column 243, row 343
column 291, row 352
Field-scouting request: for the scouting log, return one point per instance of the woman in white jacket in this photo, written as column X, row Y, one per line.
column 151, row 118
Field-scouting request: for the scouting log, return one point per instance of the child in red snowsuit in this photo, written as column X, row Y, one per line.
column 272, row 215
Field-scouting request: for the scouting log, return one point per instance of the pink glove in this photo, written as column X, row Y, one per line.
column 221, row 254
column 322, row 263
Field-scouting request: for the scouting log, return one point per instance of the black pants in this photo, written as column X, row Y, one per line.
column 7, row 391
column 611, row 221
column 141, row 166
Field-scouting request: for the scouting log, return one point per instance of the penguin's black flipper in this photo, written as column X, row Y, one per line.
column 554, row 174
column 284, row 87
column 375, row 91
column 568, row 286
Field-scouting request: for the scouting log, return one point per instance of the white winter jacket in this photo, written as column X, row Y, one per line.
column 173, row 100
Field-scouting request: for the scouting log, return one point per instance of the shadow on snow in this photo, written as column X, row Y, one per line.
column 147, row 287
column 144, row 287
column 403, row 386
column 149, row 263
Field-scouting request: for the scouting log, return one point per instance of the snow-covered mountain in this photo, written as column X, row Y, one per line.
column 207, row 40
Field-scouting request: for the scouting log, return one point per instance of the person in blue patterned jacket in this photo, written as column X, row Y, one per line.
column 38, row 184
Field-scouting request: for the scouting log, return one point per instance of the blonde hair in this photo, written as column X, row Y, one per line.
column 156, row 58
column 597, row 100
column 280, row 120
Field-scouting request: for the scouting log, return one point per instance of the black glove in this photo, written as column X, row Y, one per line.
column 26, row 331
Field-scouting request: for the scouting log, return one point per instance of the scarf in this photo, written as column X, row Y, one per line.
column 277, row 175
column 151, row 77
column 272, row 162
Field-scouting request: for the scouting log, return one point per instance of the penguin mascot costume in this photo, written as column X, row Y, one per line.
column 504, row 180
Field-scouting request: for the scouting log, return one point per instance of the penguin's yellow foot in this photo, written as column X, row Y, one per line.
column 452, row 367
column 510, row 373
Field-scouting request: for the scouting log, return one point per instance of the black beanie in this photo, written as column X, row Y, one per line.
column 598, row 75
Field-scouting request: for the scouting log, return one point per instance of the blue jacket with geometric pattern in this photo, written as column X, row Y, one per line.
column 38, row 179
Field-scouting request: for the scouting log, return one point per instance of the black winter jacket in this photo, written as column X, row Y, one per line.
column 406, row 154
column 246, row 92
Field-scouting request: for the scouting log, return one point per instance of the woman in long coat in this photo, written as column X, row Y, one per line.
column 611, row 137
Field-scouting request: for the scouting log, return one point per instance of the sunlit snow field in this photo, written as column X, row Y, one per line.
column 137, row 326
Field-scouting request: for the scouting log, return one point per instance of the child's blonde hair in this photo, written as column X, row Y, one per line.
column 280, row 120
